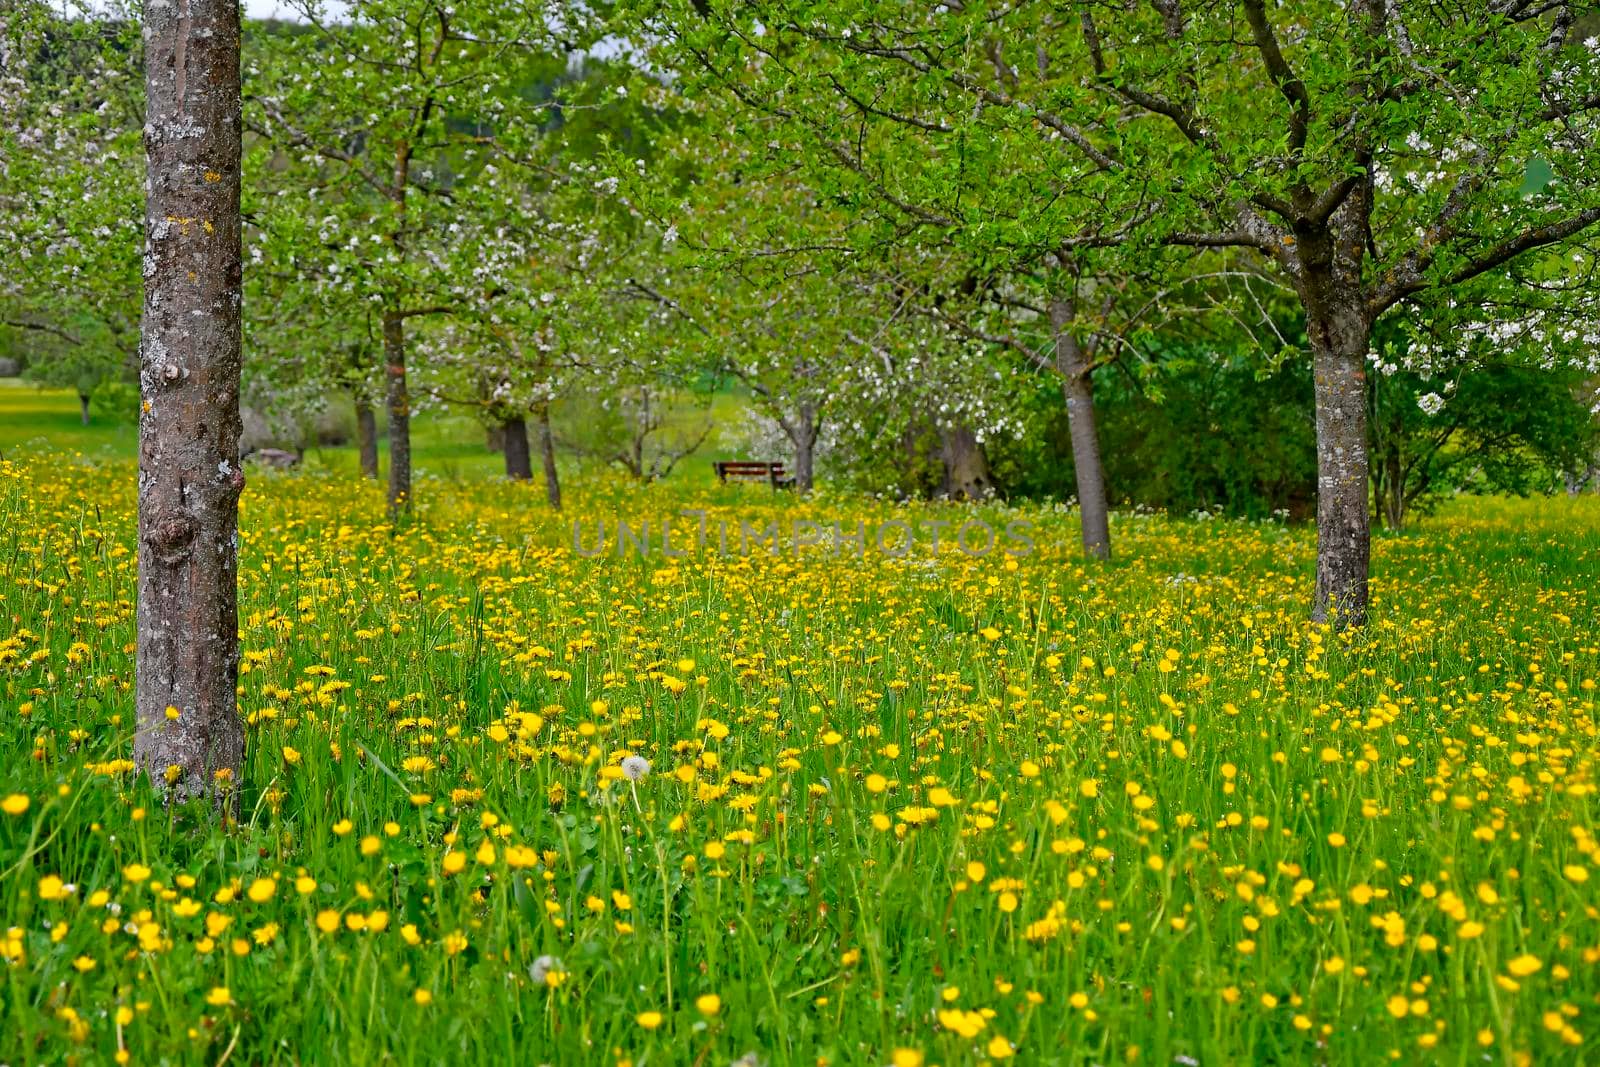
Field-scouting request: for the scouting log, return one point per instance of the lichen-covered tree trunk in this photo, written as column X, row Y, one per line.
column 1078, row 389
column 367, row 438
column 519, row 464
column 190, row 739
column 966, row 466
column 547, row 453
column 803, row 434
column 1339, row 335
column 398, row 404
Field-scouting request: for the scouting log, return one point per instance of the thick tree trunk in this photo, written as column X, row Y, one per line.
column 367, row 438
column 547, row 453
column 1078, row 388
column 966, row 467
column 83, row 408
column 398, row 402
column 1339, row 335
column 519, row 465
column 189, row 738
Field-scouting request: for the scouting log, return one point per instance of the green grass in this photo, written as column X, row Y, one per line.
column 35, row 420
column 445, row 444
column 933, row 809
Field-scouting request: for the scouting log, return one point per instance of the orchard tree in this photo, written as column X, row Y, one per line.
column 71, row 188
column 508, row 372
column 372, row 128
column 553, row 249
column 1369, row 151
column 758, row 263
column 306, row 349
column 190, row 738
column 794, row 339
column 920, row 173
column 1486, row 390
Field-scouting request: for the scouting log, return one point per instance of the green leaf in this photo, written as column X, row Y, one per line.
column 1536, row 177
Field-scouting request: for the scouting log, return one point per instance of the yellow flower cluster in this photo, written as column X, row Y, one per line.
column 500, row 796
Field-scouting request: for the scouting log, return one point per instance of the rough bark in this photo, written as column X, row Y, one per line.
column 189, row 738
column 1077, row 386
column 367, row 438
column 803, row 432
column 519, row 464
column 966, row 466
column 547, row 453
column 1339, row 333
column 398, row 404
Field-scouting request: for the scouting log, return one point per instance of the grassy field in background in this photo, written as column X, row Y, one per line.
column 505, row 803
column 445, row 444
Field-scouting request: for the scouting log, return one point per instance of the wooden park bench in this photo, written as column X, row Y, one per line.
column 270, row 457
column 746, row 470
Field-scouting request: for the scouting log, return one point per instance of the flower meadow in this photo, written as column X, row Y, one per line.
column 507, row 803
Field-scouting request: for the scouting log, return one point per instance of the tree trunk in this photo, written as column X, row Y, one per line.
column 494, row 437
column 966, row 467
column 1578, row 480
column 1395, row 504
column 1339, row 335
column 803, row 436
column 367, row 438
column 547, row 452
column 519, row 466
column 83, row 408
column 1078, row 388
column 399, row 411
column 189, row 738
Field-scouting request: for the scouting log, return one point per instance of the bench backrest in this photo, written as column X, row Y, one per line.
column 752, row 470
column 746, row 467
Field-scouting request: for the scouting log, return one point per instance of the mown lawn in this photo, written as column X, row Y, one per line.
column 505, row 803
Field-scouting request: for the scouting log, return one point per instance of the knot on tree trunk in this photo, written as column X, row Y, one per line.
column 171, row 538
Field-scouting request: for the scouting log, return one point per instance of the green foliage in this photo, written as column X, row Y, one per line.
column 1502, row 427
column 1220, row 436
column 116, row 402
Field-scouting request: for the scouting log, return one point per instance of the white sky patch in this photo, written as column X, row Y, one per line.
column 280, row 9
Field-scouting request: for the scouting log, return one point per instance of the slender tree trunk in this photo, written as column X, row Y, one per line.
column 803, row 435
column 189, row 738
column 519, row 465
column 1339, row 334
column 1078, row 388
column 83, row 408
column 367, row 438
column 547, row 452
column 1396, row 480
column 966, row 467
column 398, row 403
